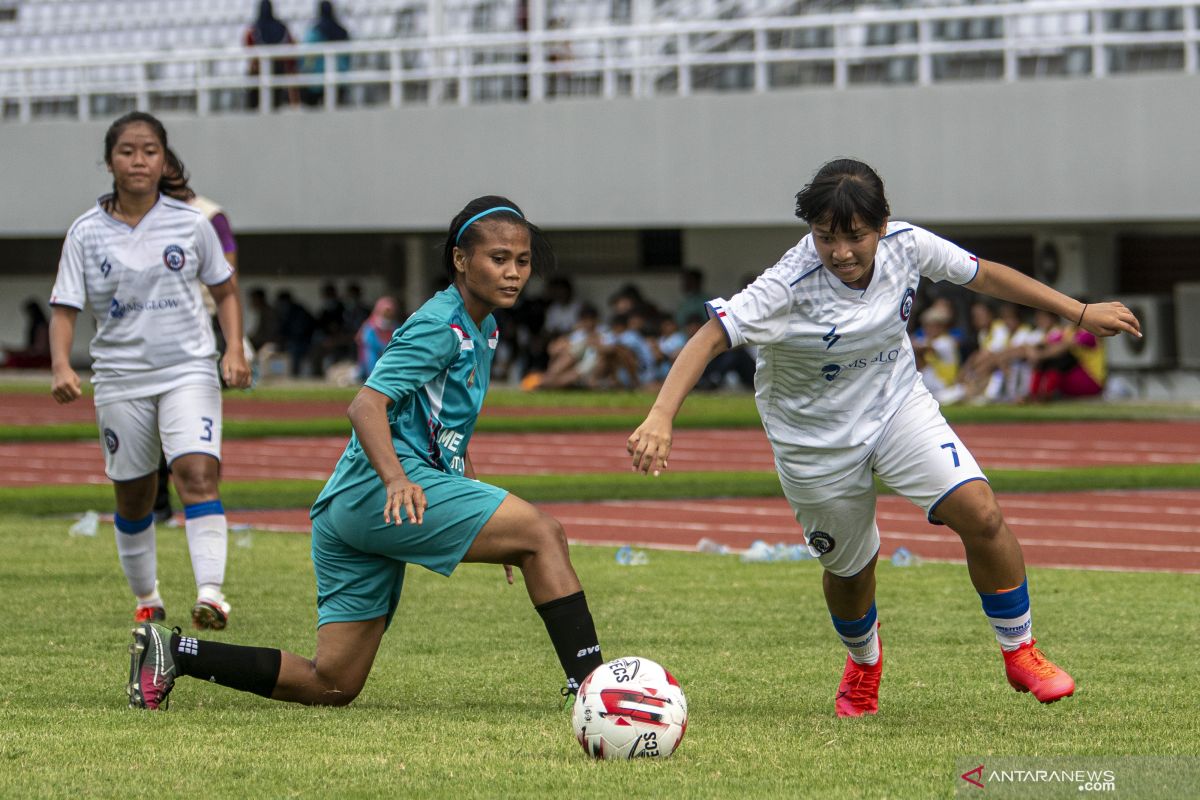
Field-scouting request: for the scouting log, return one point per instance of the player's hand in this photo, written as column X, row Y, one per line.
column 508, row 574
column 650, row 444
column 65, row 386
column 1109, row 319
column 235, row 370
column 403, row 494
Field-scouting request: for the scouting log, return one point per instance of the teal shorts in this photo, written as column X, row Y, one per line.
column 359, row 560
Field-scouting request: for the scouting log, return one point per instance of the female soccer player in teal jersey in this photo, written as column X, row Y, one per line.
column 842, row 402
column 404, row 492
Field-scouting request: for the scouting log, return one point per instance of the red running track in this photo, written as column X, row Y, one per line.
column 1138, row 531
column 1016, row 446
column 20, row 408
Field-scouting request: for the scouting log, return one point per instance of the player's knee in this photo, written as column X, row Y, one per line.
column 988, row 523
column 338, row 692
column 551, row 535
column 193, row 483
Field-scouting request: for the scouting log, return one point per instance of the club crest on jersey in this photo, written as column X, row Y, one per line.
column 174, row 258
column 822, row 542
column 906, row 304
column 110, row 440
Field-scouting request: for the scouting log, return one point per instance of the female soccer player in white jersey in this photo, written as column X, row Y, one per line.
column 404, row 492
column 841, row 401
column 137, row 260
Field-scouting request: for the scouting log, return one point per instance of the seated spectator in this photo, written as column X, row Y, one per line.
column 629, row 359
column 936, row 352
column 1070, row 363
column 982, row 372
column 375, row 334
column 35, row 354
column 265, row 330
column 667, row 346
column 575, row 358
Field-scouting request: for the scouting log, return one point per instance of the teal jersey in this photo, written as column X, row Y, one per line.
column 436, row 371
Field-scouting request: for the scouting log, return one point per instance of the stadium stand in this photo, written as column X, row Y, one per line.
column 85, row 58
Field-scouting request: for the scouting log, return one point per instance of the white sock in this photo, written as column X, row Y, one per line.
column 139, row 560
column 864, row 649
column 208, row 541
column 152, row 600
column 1012, row 632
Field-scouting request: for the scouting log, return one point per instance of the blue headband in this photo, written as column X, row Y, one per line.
column 482, row 214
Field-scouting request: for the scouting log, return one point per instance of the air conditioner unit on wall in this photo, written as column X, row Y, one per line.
column 1156, row 348
column 1058, row 261
column 1187, row 323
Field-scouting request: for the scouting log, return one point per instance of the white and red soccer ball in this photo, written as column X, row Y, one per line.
column 629, row 708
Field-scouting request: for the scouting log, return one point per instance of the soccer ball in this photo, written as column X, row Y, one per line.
column 629, row 708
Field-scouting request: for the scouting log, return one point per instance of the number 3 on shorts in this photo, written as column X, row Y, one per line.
column 953, row 451
column 208, row 423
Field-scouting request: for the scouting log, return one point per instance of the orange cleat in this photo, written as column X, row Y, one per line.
column 1030, row 671
column 150, row 614
column 858, row 693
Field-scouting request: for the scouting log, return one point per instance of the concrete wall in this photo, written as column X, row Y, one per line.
column 1040, row 151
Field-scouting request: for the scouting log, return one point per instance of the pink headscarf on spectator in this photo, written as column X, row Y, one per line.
column 382, row 319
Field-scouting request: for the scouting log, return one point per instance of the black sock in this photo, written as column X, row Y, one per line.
column 573, row 634
column 248, row 669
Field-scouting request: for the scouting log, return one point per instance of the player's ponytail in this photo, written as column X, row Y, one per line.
column 463, row 232
column 841, row 190
column 174, row 180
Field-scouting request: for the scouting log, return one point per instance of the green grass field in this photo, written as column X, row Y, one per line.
column 463, row 700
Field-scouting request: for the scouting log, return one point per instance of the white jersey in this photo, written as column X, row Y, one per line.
column 835, row 363
column 143, row 287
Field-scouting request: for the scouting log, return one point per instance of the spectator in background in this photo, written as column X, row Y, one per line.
column 357, row 310
column 266, row 326
column 694, row 298
column 670, row 341
column 936, row 354
column 562, row 309
column 982, row 372
column 331, row 340
column 574, row 358
column 268, row 30
column 35, row 354
column 326, row 28
column 1069, row 364
column 296, row 326
column 375, row 334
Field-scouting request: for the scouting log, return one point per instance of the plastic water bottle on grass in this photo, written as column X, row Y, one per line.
column 87, row 525
column 628, row 557
column 903, row 557
column 758, row 552
column 707, row 545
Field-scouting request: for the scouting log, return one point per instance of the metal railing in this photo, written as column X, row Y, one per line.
column 1010, row 41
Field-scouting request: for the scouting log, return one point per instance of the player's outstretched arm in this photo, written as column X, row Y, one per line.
column 234, row 368
column 650, row 444
column 64, row 383
column 368, row 415
column 1005, row 283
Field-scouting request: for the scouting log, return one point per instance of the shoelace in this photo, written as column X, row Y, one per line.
column 864, row 686
column 1032, row 660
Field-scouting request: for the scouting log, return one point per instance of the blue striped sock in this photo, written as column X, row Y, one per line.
column 859, row 637
column 1008, row 613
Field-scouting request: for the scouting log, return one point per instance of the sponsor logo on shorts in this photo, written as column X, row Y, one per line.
column 174, row 258
column 110, row 440
column 822, row 542
column 906, row 304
